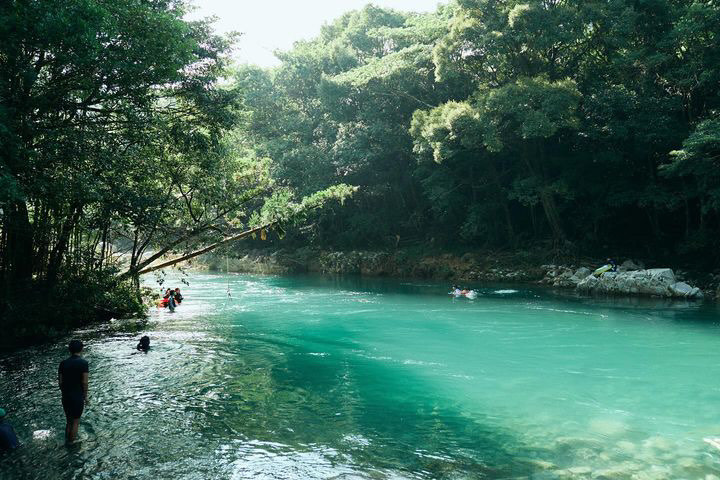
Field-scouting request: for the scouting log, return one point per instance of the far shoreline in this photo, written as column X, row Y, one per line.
column 519, row 268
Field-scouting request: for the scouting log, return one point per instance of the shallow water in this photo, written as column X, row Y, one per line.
column 305, row 377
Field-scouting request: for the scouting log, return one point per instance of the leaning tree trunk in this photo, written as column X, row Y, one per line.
column 199, row 252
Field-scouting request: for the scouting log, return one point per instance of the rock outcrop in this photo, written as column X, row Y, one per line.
column 657, row 282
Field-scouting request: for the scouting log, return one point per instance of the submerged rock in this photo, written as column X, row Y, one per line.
column 619, row 471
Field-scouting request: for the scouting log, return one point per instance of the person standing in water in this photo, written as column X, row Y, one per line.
column 73, row 381
column 8, row 439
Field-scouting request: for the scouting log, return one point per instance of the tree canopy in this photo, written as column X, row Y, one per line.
column 495, row 124
column 116, row 149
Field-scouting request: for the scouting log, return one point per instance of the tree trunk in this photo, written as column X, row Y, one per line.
column 58, row 253
column 551, row 214
column 199, row 252
column 41, row 242
column 19, row 245
column 503, row 201
column 546, row 197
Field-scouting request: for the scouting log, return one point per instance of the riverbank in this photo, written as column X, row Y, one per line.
column 470, row 268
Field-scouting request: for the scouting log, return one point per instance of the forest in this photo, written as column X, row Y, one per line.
column 127, row 135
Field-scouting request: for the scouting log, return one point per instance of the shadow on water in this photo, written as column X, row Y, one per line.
column 353, row 406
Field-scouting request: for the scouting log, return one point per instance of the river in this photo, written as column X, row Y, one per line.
column 309, row 377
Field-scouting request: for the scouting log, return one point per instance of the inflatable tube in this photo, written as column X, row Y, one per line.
column 603, row 269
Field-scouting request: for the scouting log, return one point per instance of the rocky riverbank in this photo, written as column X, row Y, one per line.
column 632, row 278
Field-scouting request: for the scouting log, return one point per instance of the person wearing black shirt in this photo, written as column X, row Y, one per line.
column 73, row 382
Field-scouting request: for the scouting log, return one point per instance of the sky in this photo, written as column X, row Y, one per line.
column 268, row 25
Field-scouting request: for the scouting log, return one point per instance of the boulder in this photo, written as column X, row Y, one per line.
column 681, row 289
column 564, row 279
column 588, row 284
column 658, row 282
column 629, row 266
column 696, row 293
column 661, row 276
column 582, row 273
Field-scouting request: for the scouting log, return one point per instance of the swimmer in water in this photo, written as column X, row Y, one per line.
column 144, row 344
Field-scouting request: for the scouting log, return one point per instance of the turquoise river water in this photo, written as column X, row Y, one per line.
column 317, row 378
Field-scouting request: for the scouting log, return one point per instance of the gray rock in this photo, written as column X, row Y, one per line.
column 681, row 289
column 663, row 276
column 588, row 284
column 658, row 282
column 629, row 266
column 582, row 273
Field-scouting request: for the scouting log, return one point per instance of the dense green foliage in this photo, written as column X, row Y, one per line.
column 498, row 123
column 106, row 115
column 116, row 148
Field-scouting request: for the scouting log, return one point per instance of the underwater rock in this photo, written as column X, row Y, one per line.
column 626, row 447
column 654, row 472
column 580, row 470
column 607, row 427
column 620, row 471
column 658, row 443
